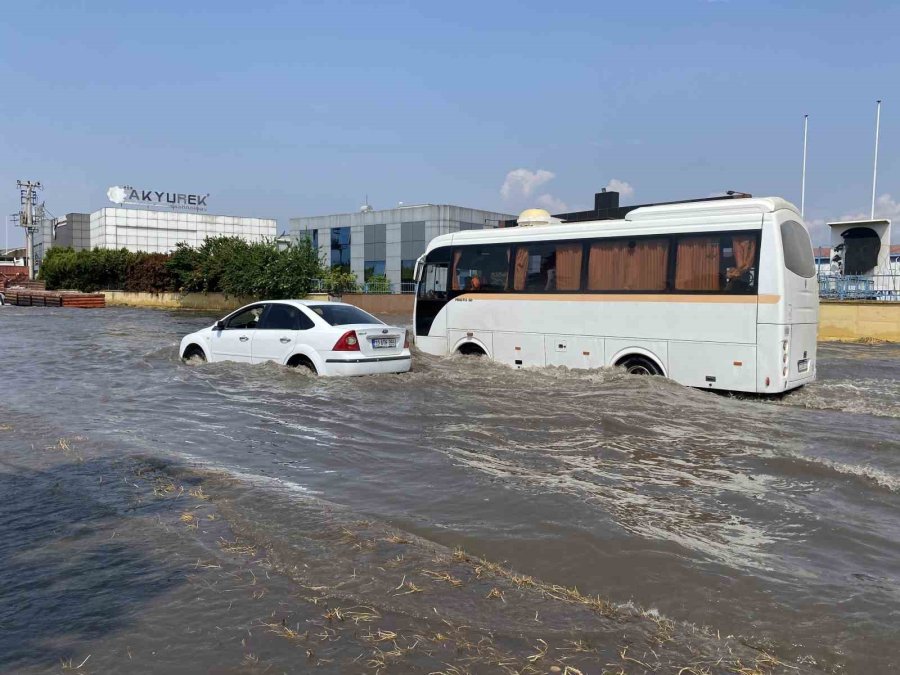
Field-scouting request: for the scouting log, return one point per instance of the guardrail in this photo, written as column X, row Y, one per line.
column 879, row 287
column 368, row 288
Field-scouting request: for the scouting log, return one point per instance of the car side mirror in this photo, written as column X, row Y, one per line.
column 220, row 325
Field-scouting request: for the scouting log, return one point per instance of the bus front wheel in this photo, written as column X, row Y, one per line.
column 639, row 365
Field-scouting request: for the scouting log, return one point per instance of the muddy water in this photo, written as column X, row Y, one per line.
column 773, row 521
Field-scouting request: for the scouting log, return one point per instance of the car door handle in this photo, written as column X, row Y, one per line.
column 243, row 338
column 285, row 340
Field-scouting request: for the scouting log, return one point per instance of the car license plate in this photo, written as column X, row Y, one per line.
column 803, row 365
column 384, row 343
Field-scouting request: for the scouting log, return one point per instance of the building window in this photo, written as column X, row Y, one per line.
column 408, row 270
column 374, row 250
column 412, row 246
column 374, row 268
column 312, row 235
column 340, row 248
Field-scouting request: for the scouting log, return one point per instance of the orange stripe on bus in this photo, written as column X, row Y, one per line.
column 623, row 297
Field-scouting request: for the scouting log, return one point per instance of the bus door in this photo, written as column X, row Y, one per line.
column 431, row 293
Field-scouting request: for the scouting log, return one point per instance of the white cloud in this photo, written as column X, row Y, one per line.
column 552, row 204
column 523, row 182
column 624, row 189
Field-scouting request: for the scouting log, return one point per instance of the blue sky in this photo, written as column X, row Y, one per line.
column 283, row 109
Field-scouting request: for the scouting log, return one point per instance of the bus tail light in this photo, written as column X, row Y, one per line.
column 768, row 381
column 784, row 372
column 406, row 340
column 348, row 343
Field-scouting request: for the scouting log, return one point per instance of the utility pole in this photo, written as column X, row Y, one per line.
column 27, row 190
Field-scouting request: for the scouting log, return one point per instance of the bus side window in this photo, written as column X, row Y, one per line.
column 547, row 266
column 723, row 263
column 480, row 269
column 739, row 257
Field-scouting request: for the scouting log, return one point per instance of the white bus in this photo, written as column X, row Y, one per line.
column 718, row 294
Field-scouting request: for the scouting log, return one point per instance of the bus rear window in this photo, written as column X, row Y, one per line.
column 798, row 253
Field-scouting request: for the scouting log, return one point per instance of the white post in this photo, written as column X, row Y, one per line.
column 803, row 180
column 875, row 169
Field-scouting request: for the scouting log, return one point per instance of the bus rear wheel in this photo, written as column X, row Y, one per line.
column 639, row 365
column 470, row 349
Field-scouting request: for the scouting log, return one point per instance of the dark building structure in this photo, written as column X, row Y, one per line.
column 606, row 207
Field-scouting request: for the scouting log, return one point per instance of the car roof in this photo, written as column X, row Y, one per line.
column 309, row 302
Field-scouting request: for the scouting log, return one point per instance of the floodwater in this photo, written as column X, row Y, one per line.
column 170, row 517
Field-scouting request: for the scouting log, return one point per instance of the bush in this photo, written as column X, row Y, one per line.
column 148, row 272
column 337, row 282
column 221, row 264
column 88, row 271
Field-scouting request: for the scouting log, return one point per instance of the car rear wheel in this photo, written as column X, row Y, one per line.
column 301, row 361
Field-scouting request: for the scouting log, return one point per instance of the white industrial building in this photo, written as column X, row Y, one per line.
column 157, row 231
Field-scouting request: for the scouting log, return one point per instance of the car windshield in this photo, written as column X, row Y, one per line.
column 341, row 315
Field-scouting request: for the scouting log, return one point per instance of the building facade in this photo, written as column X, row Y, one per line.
column 148, row 230
column 372, row 243
column 72, row 231
column 158, row 231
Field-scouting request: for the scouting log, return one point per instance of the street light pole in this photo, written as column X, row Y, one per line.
column 875, row 168
column 803, row 179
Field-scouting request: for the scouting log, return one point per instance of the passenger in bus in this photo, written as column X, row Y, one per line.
column 548, row 272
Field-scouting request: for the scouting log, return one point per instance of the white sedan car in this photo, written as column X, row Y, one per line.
column 329, row 338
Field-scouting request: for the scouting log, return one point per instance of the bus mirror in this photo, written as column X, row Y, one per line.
column 420, row 264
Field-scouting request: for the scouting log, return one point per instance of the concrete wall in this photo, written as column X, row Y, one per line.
column 382, row 304
column 846, row 320
column 213, row 302
column 203, row 301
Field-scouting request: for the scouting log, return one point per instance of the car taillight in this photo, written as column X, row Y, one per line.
column 348, row 343
column 406, row 341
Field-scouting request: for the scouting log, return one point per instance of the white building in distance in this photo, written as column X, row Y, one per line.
column 158, row 231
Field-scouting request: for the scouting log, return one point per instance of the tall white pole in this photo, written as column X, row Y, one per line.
column 875, row 169
column 803, row 180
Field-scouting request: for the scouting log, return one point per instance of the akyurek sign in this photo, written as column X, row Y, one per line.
column 172, row 200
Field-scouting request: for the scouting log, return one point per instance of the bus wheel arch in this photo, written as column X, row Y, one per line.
column 470, row 347
column 638, row 361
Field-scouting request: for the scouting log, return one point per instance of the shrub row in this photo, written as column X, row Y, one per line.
column 221, row 264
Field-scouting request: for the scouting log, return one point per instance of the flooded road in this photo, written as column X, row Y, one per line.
column 773, row 521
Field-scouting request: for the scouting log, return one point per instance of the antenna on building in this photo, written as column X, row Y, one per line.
column 875, row 169
column 366, row 208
